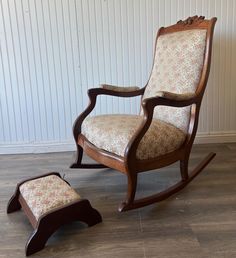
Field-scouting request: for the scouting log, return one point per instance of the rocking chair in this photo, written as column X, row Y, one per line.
column 164, row 131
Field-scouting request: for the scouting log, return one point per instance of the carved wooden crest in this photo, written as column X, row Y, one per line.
column 191, row 20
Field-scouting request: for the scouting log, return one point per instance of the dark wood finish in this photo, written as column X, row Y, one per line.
column 129, row 164
column 47, row 224
column 88, row 166
column 191, row 20
column 101, row 155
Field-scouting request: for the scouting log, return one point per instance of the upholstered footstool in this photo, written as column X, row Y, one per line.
column 49, row 202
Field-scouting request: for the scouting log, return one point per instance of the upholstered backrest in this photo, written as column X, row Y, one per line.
column 177, row 68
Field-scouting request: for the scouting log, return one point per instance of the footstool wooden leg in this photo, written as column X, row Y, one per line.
column 37, row 240
column 14, row 204
column 86, row 213
column 49, row 223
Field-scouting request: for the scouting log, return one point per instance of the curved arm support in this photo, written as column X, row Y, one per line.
column 93, row 93
column 79, row 120
column 148, row 105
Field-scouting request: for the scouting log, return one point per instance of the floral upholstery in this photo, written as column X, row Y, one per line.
column 177, row 68
column 119, row 88
column 113, row 132
column 47, row 193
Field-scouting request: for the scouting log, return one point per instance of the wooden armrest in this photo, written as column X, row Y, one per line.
column 93, row 92
column 175, row 96
column 119, row 88
column 165, row 98
column 105, row 90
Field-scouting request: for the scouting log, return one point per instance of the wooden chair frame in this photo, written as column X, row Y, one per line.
column 129, row 164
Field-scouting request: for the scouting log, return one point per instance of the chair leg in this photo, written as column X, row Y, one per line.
column 78, row 159
column 184, row 169
column 132, row 186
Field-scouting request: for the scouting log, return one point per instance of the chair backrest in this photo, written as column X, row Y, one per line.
column 181, row 62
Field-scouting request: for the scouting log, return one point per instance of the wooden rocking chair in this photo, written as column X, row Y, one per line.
column 164, row 131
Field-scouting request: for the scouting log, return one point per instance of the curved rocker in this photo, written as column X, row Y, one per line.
column 134, row 204
column 129, row 164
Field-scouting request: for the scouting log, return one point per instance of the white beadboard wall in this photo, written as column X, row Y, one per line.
column 52, row 51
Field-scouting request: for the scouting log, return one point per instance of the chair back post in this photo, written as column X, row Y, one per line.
column 195, row 110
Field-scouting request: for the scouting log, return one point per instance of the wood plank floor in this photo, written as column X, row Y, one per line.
column 200, row 221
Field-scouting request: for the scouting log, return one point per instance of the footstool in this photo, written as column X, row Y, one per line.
column 49, row 202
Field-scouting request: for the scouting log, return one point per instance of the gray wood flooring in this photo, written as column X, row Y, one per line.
column 200, row 221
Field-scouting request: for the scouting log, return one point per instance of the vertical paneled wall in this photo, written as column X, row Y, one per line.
column 52, row 51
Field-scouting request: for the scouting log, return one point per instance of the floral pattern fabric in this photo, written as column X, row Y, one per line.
column 47, row 193
column 177, row 68
column 119, row 88
column 113, row 132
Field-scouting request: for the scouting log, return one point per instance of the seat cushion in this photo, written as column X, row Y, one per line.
column 44, row 194
column 113, row 132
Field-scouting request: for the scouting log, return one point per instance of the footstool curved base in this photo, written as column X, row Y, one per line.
column 46, row 224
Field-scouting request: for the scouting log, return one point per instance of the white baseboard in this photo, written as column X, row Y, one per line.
column 222, row 137
column 46, row 147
